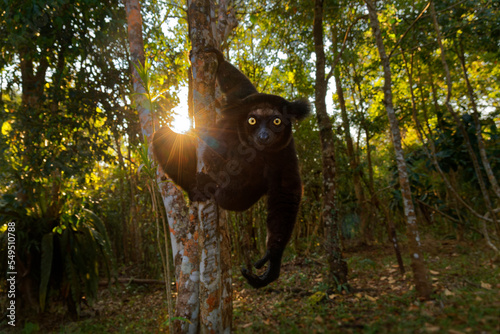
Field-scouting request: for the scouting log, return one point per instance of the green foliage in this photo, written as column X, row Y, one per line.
column 30, row 327
column 63, row 252
column 147, row 165
column 58, row 112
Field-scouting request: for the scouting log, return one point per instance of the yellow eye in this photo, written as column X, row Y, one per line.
column 277, row 121
column 252, row 121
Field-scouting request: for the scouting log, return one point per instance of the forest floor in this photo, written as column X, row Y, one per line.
column 381, row 300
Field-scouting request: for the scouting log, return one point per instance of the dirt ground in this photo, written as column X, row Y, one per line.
column 380, row 299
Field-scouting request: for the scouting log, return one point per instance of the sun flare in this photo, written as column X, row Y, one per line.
column 181, row 123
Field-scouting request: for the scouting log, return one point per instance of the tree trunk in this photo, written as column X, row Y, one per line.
column 420, row 276
column 173, row 199
column 215, row 288
column 337, row 265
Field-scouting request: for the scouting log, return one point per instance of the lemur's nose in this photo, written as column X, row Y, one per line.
column 263, row 136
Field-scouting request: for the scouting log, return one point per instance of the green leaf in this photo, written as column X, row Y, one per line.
column 101, row 235
column 46, row 266
column 253, row 18
column 74, row 282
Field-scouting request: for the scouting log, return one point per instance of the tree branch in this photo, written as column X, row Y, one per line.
column 409, row 28
column 344, row 45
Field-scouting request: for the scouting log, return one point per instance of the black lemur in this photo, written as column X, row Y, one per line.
column 249, row 153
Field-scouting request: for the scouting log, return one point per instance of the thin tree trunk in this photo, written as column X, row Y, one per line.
column 173, row 199
column 119, row 232
column 420, row 276
column 364, row 125
column 366, row 230
column 391, row 229
column 165, row 257
column 479, row 135
column 421, row 134
column 133, row 207
column 472, row 154
column 450, row 186
column 337, row 265
column 363, row 213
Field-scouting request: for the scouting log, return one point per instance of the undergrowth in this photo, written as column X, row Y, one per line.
column 466, row 299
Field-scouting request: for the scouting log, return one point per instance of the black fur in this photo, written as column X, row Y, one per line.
column 249, row 153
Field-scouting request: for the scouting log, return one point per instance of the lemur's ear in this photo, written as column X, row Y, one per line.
column 299, row 109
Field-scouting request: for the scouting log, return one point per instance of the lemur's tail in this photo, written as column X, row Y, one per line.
column 176, row 154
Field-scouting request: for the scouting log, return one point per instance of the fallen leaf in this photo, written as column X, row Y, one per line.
column 448, row 292
column 454, row 331
column 433, row 272
column 413, row 308
column 370, row 298
column 485, row 285
column 431, row 328
column 319, row 319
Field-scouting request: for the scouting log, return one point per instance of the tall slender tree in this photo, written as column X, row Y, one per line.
column 337, row 265
column 420, row 275
column 183, row 230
